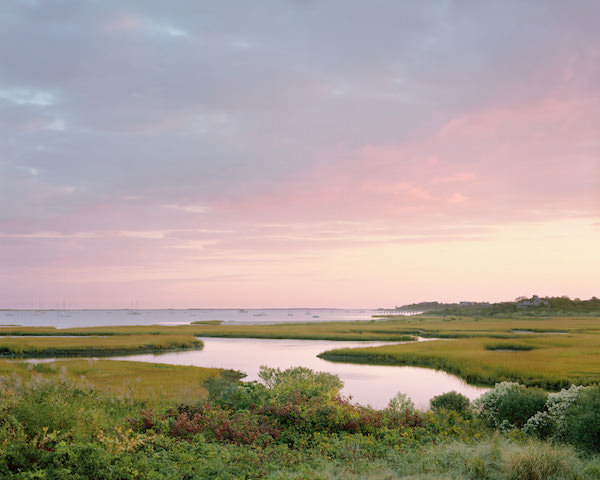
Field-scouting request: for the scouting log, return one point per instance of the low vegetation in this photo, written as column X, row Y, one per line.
column 291, row 425
column 93, row 345
column 523, row 306
column 549, row 352
column 155, row 382
column 548, row 361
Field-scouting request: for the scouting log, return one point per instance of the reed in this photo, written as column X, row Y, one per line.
column 547, row 351
column 384, row 329
column 152, row 383
column 308, row 331
column 551, row 362
column 53, row 346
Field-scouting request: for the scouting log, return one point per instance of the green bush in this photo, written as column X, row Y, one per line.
column 57, row 405
column 234, row 394
column 401, row 403
column 53, row 429
column 286, row 384
column 550, row 423
column 520, row 404
column 582, row 420
column 451, row 401
column 509, row 405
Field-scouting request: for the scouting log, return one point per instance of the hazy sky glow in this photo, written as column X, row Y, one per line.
column 312, row 153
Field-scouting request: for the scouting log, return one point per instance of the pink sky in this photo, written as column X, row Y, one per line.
column 305, row 154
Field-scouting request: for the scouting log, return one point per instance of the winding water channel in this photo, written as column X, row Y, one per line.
column 367, row 384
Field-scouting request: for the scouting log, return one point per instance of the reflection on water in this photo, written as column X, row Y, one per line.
column 366, row 384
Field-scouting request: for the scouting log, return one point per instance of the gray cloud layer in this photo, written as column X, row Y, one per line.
column 112, row 110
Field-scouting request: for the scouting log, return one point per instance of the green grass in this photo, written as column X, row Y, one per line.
column 153, row 383
column 53, row 426
column 551, row 362
column 54, row 346
column 546, row 351
column 358, row 330
column 207, row 322
column 384, row 329
column 508, row 347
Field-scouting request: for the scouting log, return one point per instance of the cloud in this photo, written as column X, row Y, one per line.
column 457, row 198
column 188, row 208
column 454, row 178
column 136, row 23
column 210, row 122
column 26, row 96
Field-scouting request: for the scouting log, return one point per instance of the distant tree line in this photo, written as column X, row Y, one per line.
column 520, row 306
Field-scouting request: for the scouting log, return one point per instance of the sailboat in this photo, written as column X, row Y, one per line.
column 134, row 309
column 64, row 312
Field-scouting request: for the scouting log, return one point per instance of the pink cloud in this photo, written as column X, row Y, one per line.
column 482, row 124
column 457, row 198
column 126, row 23
column 454, row 178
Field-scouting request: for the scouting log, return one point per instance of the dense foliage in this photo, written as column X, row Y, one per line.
column 510, row 405
column 452, row 401
column 522, row 306
column 293, row 425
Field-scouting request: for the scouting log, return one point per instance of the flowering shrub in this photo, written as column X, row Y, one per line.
column 510, row 405
column 551, row 421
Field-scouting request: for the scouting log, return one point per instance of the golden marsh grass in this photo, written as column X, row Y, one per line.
column 93, row 345
column 155, row 383
column 547, row 351
column 552, row 362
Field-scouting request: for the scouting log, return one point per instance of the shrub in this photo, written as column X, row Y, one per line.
column 520, row 404
column 451, row 401
column 551, row 422
column 541, row 424
column 401, row 403
column 287, row 383
column 241, row 427
column 582, row 420
column 237, row 395
column 449, row 424
column 509, row 405
column 57, row 404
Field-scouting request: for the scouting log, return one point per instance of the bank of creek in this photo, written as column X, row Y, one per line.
column 367, row 384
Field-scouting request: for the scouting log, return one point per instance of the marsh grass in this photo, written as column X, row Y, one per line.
column 482, row 351
column 54, row 346
column 382, row 329
column 508, row 347
column 552, row 362
column 154, row 383
column 358, row 330
column 495, row 458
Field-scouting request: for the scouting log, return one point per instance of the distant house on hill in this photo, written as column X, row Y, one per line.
column 534, row 301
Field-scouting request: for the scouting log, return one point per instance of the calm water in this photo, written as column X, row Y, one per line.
column 96, row 318
column 367, row 384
